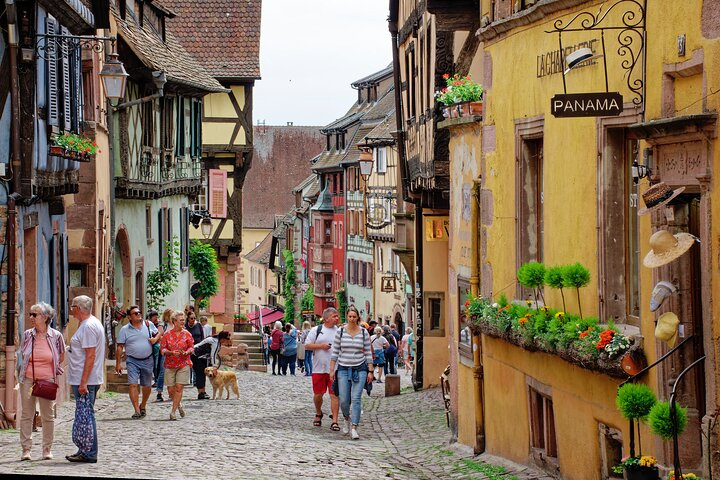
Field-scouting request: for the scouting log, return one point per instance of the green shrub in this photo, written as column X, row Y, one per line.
column 576, row 276
column 660, row 423
column 554, row 279
column 635, row 400
column 532, row 275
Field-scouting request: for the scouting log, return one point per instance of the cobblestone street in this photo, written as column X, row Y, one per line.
column 268, row 433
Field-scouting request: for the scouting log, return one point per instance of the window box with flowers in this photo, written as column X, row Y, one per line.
column 241, row 323
column 73, row 147
column 461, row 96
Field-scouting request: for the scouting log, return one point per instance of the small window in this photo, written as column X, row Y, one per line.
column 464, row 333
column 148, row 223
column 78, row 274
column 542, row 424
column 435, row 314
column 380, row 161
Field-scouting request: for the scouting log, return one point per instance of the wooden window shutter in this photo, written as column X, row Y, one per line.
column 53, row 104
column 161, row 237
column 76, row 91
column 218, row 193
column 66, row 84
column 180, row 127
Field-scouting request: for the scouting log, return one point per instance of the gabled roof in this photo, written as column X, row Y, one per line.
column 343, row 123
column 382, row 133
column 305, row 183
column 374, row 78
column 224, row 35
column 169, row 56
column 261, row 253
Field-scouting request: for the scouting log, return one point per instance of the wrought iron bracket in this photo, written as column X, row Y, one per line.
column 631, row 38
column 50, row 44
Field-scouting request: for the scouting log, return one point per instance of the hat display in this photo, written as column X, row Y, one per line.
column 666, row 329
column 662, row 290
column 666, row 247
column 657, row 196
column 576, row 57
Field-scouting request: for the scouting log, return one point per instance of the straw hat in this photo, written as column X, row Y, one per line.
column 657, row 196
column 666, row 329
column 666, row 247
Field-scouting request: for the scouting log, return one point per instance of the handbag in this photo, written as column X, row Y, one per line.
column 42, row 388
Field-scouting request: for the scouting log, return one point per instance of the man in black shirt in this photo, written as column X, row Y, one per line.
column 199, row 363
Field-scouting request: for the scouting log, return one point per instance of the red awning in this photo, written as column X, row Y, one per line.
column 268, row 316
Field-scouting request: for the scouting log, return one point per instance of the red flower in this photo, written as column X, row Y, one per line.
column 446, row 76
column 467, row 303
column 605, row 338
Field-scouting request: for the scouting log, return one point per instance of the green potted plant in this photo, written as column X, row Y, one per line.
column 532, row 275
column 576, row 276
column 461, row 96
column 73, row 146
column 635, row 402
column 554, row 279
column 660, row 421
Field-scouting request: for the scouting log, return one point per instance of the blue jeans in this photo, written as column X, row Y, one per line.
column 160, row 379
column 390, row 364
column 92, row 391
column 288, row 361
column 351, row 383
column 308, row 362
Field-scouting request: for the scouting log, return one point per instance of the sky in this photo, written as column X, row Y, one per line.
column 310, row 53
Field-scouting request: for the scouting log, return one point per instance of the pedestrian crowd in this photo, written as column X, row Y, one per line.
column 172, row 352
column 178, row 350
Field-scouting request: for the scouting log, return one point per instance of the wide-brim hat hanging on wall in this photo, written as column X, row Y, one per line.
column 666, row 329
column 666, row 247
column 658, row 196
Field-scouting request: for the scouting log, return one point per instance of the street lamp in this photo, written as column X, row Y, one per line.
column 366, row 166
column 114, row 77
column 206, row 227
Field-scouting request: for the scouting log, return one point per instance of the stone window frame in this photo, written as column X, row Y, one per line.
column 542, row 456
column 465, row 350
column 427, row 324
column 526, row 129
column 606, row 270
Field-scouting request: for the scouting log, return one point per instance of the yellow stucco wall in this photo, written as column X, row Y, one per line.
column 435, row 279
column 218, row 105
column 250, row 237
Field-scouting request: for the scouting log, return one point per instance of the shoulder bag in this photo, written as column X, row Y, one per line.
column 42, row 388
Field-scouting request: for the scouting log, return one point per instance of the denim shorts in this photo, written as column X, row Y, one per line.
column 140, row 371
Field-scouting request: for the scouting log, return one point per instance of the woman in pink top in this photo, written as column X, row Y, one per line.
column 41, row 355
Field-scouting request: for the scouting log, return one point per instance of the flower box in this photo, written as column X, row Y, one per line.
column 641, row 473
column 464, row 109
column 604, row 364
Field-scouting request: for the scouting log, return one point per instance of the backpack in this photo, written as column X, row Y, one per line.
column 392, row 349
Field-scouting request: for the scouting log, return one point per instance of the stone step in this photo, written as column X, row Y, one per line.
column 253, row 356
column 112, row 377
column 117, row 387
column 257, row 368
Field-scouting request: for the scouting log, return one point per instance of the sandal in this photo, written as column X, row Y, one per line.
column 334, row 427
column 136, row 416
column 318, row 420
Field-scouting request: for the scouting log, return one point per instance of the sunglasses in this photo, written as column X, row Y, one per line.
column 136, row 312
column 33, row 314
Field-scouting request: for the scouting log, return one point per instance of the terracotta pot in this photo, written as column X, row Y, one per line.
column 476, row 108
column 57, row 150
column 633, row 362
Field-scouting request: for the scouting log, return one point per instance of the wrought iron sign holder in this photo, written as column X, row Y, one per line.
column 50, row 44
column 631, row 37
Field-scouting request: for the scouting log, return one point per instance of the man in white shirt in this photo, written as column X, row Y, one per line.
column 207, row 329
column 86, row 364
column 321, row 346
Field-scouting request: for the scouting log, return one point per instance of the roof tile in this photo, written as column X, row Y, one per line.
column 224, row 35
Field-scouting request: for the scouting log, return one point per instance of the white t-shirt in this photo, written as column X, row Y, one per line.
column 321, row 358
column 89, row 334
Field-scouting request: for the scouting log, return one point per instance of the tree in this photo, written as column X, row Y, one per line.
column 204, row 267
column 290, row 278
column 163, row 280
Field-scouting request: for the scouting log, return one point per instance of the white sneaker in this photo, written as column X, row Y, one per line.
column 182, row 412
column 346, row 427
column 354, row 435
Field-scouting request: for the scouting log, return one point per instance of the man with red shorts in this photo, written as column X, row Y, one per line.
column 320, row 340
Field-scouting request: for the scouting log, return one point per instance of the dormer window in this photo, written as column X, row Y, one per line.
column 122, row 6
column 327, row 137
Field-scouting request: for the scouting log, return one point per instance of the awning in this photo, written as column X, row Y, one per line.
column 268, row 316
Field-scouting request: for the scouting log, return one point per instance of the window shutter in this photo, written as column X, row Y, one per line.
column 218, row 193
column 180, row 127
column 161, row 237
column 76, row 91
column 52, row 75
column 66, row 85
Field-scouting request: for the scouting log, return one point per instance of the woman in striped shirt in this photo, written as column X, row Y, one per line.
column 352, row 353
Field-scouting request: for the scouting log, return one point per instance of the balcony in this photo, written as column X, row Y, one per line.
column 154, row 176
column 322, row 254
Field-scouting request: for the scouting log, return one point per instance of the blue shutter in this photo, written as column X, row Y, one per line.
column 53, row 95
column 66, row 85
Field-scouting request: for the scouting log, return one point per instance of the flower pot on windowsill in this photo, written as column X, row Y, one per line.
column 475, row 108
column 641, row 473
column 57, row 151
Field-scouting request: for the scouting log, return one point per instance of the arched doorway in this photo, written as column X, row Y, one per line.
column 122, row 286
column 398, row 321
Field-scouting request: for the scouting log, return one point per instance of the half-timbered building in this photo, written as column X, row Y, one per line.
column 157, row 150
column 224, row 37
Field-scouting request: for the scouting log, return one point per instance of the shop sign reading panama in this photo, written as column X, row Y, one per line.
column 601, row 104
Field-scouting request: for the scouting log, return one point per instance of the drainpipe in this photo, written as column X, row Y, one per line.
column 477, row 339
column 418, row 373
column 10, row 359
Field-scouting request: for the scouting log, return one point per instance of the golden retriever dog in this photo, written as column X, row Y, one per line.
column 222, row 379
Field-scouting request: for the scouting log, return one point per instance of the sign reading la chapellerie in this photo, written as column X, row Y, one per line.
column 601, row 104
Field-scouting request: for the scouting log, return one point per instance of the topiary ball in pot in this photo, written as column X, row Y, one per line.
column 635, row 400
column 660, row 422
column 532, row 275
